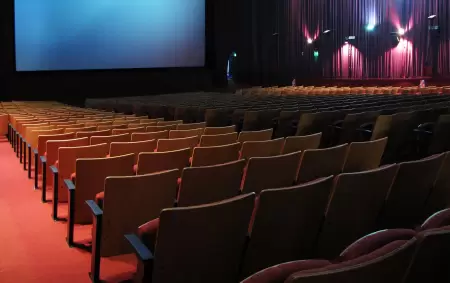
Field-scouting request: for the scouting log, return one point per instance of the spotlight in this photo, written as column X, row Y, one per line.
column 326, row 31
column 370, row 27
column 430, row 17
column 234, row 54
column 309, row 41
column 401, row 31
column 346, row 42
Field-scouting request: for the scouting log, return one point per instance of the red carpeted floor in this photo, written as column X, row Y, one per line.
column 32, row 245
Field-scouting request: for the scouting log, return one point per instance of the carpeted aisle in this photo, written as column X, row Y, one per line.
column 32, row 246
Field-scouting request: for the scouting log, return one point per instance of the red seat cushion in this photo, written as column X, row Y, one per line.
column 147, row 232
column 373, row 242
column 365, row 258
column 437, row 220
column 279, row 273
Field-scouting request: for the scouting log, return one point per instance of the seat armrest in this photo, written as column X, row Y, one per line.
column 95, row 209
column 69, row 184
column 367, row 126
column 338, row 123
column 140, row 249
column 54, row 169
column 364, row 130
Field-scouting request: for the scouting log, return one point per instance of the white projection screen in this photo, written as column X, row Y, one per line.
column 109, row 34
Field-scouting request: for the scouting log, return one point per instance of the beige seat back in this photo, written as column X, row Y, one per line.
column 191, row 126
column 263, row 135
column 67, row 158
column 131, row 201
column 170, row 123
column 123, row 148
column 161, row 161
column 4, row 120
column 200, row 185
column 178, row 134
column 355, row 205
column 81, row 129
column 176, row 144
column 364, row 156
column 109, row 139
column 302, row 143
column 271, row 172
column 128, row 131
column 405, row 204
column 219, row 130
column 177, row 241
column 261, row 148
column 93, row 134
column 286, row 224
column 152, row 129
column 213, row 155
column 149, row 136
column 319, row 163
column 219, row 139
column 111, row 127
column 90, row 179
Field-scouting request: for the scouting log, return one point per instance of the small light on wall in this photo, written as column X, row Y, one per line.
column 309, row 41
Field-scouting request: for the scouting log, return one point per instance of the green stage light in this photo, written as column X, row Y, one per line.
column 316, row 53
column 370, row 27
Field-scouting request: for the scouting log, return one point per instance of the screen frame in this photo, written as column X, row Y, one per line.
column 206, row 54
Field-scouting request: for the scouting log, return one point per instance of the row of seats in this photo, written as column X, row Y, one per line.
column 394, row 255
column 322, row 90
column 345, row 183
column 341, row 119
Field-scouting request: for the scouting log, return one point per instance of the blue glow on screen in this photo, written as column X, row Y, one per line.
column 109, row 34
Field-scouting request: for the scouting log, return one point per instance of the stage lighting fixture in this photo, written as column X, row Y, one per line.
column 234, row 54
column 346, row 42
column 401, row 31
column 430, row 17
column 326, row 31
column 316, row 53
column 309, row 41
column 370, row 27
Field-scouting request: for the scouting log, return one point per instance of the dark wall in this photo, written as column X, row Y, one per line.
column 74, row 86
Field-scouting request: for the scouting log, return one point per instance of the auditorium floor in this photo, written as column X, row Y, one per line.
column 32, row 245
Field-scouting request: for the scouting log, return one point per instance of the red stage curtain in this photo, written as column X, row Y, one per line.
column 279, row 31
